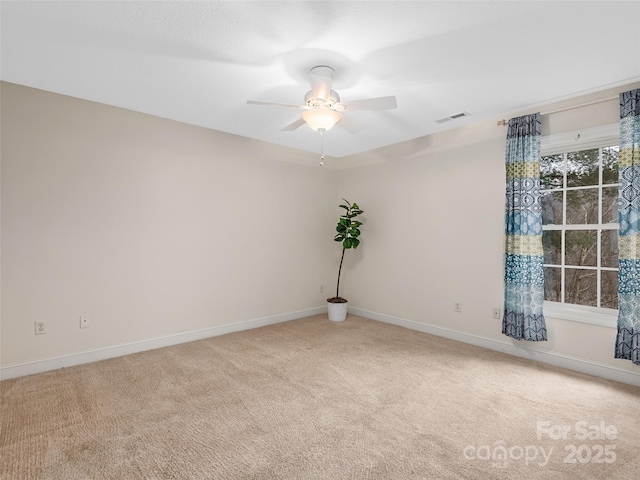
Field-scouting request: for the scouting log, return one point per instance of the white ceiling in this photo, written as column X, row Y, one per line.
column 199, row 62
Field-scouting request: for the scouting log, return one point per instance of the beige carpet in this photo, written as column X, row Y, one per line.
column 313, row 399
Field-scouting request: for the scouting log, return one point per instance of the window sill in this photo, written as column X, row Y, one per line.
column 604, row 317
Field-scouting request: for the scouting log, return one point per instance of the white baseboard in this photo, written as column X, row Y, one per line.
column 54, row 363
column 523, row 351
column 565, row 361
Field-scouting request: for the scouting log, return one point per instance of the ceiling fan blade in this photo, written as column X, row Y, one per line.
column 288, row 105
column 350, row 125
column 380, row 103
column 292, row 126
column 321, row 78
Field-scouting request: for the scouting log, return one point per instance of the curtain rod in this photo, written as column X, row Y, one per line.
column 502, row 123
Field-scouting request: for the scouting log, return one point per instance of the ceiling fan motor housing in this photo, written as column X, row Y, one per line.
column 311, row 102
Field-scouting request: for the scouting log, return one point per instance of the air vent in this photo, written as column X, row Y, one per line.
column 453, row 117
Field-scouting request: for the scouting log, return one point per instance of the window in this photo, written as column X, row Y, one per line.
column 579, row 198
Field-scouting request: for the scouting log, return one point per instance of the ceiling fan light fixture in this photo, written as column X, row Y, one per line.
column 321, row 117
column 322, row 107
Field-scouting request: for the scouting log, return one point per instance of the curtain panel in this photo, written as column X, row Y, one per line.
column 628, row 338
column 523, row 276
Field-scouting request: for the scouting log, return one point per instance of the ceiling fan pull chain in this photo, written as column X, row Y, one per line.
column 321, row 130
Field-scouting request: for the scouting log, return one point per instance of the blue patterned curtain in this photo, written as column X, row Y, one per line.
column 523, row 275
column 628, row 339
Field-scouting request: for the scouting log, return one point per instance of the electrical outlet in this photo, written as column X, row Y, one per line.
column 496, row 314
column 85, row 321
column 457, row 307
column 41, row 327
column 321, row 288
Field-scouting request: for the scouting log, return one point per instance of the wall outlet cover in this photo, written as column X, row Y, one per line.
column 41, row 327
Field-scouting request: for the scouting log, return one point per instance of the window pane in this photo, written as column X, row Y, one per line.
column 552, row 284
column 582, row 206
column 609, row 248
column 551, row 203
column 610, row 164
column 582, row 168
column 581, row 287
column 551, row 171
column 610, row 205
column 581, row 248
column 580, row 190
column 551, row 244
column 609, row 290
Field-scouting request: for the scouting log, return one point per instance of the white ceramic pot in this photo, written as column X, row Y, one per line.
column 337, row 311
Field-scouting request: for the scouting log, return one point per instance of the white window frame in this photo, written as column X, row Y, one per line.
column 596, row 137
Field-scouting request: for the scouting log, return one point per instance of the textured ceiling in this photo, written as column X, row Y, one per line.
column 199, row 62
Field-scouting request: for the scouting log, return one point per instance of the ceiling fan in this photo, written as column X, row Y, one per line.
column 323, row 108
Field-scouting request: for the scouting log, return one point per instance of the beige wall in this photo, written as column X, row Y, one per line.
column 151, row 227
column 434, row 232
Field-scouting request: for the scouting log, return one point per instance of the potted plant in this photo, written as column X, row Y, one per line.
column 348, row 233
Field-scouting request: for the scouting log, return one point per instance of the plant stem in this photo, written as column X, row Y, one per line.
column 339, row 270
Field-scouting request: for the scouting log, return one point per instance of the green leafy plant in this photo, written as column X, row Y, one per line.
column 348, row 233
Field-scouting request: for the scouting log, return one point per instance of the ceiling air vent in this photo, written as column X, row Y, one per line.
column 453, row 117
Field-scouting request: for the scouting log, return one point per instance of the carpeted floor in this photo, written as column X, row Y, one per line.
column 313, row 399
